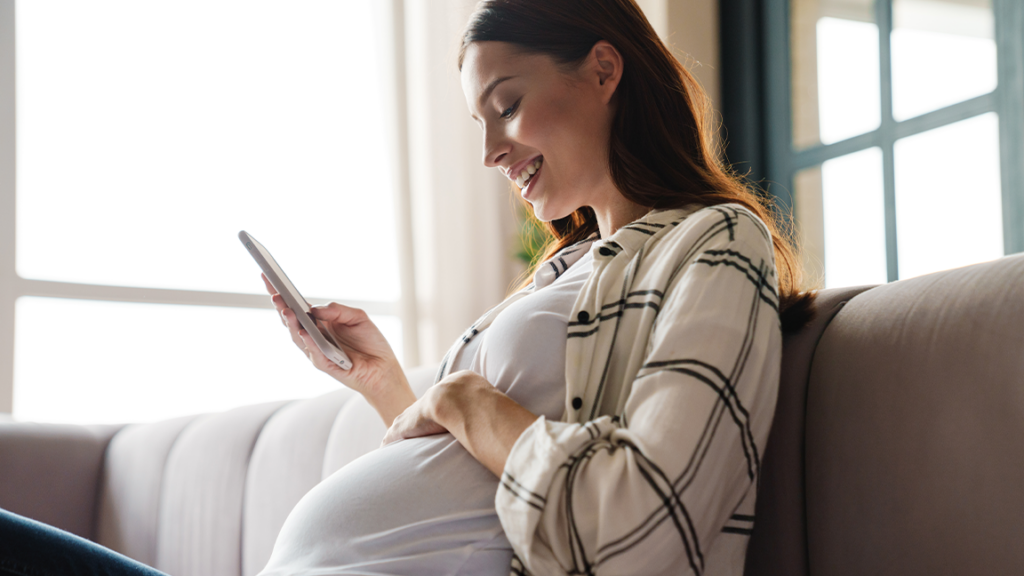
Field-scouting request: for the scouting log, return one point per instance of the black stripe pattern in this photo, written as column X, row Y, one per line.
column 672, row 363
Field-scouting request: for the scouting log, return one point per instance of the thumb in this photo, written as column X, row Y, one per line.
column 339, row 313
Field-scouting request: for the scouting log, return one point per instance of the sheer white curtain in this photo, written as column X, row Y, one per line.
column 463, row 214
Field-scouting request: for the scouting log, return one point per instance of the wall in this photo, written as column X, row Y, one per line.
column 690, row 28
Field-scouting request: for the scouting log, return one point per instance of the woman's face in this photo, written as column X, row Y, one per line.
column 538, row 116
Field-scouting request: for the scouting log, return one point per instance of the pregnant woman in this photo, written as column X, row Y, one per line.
column 609, row 417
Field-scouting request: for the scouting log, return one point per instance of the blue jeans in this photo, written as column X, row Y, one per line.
column 30, row 548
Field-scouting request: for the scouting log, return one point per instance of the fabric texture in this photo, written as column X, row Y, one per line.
column 31, row 548
column 915, row 414
column 128, row 509
column 50, row 472
column 672, row 370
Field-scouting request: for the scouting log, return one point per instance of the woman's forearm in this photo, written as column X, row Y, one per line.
column 485, row 421
column 392, row 398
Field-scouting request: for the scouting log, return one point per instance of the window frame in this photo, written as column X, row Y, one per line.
column 757, row 113
column 13, row 286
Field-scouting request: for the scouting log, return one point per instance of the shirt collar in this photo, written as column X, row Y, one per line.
column 628, row 240
column 555, row 266
column 631, row 237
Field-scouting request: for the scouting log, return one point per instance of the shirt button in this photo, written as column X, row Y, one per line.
column 583, row 316
column 577, row 403
column 605, row 251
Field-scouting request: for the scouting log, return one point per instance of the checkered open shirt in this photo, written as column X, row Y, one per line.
column 672, row 371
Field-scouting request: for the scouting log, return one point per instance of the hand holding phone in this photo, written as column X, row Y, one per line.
column 367, row 364
column 278, row 280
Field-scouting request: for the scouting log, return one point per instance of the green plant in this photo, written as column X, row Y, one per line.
column 533, row 237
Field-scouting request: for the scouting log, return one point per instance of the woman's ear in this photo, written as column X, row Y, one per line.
column 606, row 63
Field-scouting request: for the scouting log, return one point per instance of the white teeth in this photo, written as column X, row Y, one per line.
column 528, row 172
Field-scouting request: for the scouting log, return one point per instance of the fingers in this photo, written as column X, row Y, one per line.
column 270, row 287
column 280, row 305
column 395, row 431
column 388, row 437
column 412, row 423
column 340, row 313
column 289, row 319
column 314, row 354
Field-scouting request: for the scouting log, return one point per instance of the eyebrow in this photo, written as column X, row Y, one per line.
column 490, row 88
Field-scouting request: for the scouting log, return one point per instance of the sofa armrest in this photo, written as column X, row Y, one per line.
column 50, row 472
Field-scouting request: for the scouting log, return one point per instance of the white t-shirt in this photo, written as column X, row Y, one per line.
column 425, row 505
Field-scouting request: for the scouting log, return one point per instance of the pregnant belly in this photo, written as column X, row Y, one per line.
column 423, row 503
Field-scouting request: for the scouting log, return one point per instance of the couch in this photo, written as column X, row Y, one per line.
column 897, row 448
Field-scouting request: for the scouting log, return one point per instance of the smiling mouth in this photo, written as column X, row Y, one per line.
column 527, row 173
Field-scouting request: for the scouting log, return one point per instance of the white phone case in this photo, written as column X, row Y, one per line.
column 294, row 300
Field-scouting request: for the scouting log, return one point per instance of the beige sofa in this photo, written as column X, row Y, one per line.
column 897, row 448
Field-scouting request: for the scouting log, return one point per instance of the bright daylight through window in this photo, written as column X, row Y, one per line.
column 941, row 53
column 148, row 135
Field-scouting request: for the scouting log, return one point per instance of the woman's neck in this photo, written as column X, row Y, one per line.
column 614, row 211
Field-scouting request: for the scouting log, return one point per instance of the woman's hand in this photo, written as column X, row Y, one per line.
column 484, row 420
column 419, row 419
column 375, row 372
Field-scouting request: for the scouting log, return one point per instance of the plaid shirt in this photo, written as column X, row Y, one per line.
column 672, row 372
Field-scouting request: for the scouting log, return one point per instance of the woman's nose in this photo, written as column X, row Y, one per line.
column 495, row 150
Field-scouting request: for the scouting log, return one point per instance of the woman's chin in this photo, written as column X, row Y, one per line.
column 544, row 211
column 541, row 213
column 546, row 214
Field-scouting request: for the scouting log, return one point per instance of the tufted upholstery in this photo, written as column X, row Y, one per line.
column 896, row 449
column 200, row 495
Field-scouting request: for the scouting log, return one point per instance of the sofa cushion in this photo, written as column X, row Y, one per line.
column 778, row 545
column 129, row 496
column 286, row 463
column 200, row 519
column 915, row 416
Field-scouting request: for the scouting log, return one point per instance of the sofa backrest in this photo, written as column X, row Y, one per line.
column 778, row 546
column 207, row 495
column 900, row 452
column 915, row 426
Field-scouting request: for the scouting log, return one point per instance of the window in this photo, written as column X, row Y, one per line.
column 894, row 129
column 148, row 135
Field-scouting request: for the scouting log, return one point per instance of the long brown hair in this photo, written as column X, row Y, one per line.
column 661, row 152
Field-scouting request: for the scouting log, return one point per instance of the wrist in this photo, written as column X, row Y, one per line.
column 446, row 405
column 483, row 419
column 391, row 396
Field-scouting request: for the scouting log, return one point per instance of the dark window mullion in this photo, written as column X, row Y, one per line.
column 1009, row 19
column 909, row 127
column 778, row 122
column 820, row 154
column 943, row 116
column 887, row 134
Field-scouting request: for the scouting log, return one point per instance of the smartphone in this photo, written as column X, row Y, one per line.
column 294, row 300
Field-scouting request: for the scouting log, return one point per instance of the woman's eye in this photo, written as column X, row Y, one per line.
column 510, row 110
